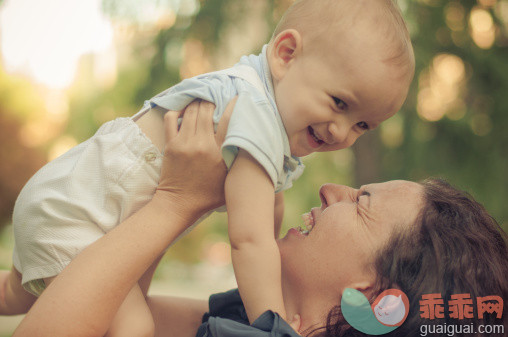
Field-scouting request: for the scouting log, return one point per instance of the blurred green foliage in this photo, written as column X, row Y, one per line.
column 467, row 145
column 471, row 152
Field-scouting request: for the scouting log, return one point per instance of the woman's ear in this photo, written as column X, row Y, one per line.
column 285, row 48
column 365, row 287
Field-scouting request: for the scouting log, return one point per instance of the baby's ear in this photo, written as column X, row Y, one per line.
column 285, row 47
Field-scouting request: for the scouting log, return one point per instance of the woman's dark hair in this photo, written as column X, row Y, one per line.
column 455, row 247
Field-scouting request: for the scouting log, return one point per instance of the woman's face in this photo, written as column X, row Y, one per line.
column 349, row 227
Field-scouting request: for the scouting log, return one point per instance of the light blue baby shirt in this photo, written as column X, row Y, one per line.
column 255, row 125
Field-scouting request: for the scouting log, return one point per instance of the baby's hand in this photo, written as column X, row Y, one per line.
column 295, row 323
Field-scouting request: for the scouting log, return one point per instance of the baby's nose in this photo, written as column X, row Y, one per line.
column 337, row 133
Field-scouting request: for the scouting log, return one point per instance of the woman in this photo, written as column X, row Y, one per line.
column 421, row 238
column 454, row 247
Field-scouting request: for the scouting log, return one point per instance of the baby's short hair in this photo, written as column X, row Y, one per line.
column 314, row 19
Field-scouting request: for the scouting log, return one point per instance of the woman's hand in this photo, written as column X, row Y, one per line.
column 193, row 171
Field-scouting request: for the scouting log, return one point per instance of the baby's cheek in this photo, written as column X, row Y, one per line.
column 354, row 137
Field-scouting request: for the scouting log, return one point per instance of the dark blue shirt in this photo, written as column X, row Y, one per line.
column 227, row 318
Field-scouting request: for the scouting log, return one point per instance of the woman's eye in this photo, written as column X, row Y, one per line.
column 363, row 125
column 339, row 103
column 360, row 194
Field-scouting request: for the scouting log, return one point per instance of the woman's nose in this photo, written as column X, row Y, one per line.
column 333, row 193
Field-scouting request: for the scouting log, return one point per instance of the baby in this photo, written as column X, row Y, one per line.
column 332, row 70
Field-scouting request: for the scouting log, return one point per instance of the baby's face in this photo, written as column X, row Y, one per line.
column 330, row 96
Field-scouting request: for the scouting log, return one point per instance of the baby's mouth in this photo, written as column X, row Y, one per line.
column 314, row 136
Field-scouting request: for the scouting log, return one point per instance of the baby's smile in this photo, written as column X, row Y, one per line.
column 314, row 140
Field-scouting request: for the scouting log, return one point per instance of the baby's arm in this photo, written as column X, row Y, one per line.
column 279, row 212
column 256, row 259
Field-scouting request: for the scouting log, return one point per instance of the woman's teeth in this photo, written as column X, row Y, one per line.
column 308, row 222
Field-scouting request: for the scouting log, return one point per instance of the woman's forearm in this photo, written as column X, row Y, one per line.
column 84, row 298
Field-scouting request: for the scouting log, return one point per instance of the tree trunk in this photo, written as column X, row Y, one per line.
column 367, row 158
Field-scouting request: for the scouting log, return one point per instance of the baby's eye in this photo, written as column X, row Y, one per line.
column 363, row 126
column 339, row 103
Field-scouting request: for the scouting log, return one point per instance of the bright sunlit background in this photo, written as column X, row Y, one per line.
column 45, row 39
column 67, row 66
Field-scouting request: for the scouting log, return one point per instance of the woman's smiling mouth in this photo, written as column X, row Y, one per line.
column 308, row 224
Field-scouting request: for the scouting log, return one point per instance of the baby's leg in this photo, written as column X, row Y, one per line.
column 134, row 318
column 145, row 280
column 14, row 300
